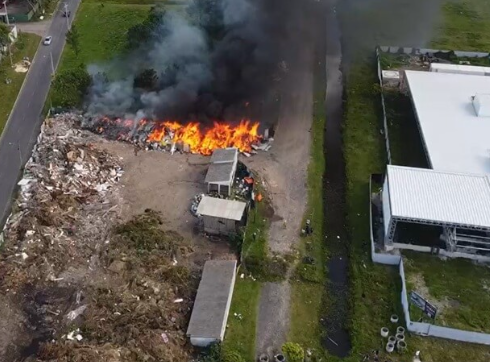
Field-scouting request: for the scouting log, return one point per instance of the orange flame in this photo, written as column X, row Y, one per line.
column 221, row 135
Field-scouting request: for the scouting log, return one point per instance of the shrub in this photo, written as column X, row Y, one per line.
column 231, row 356
column 293, row 352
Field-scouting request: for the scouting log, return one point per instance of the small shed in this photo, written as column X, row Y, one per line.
column 220, row 217
column 221, row 171
column 212, row 304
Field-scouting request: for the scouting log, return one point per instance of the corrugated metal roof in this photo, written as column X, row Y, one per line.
column 444, row 197
column 220, row 172
column 211, row 304
column 224, row 155
column 225, row 209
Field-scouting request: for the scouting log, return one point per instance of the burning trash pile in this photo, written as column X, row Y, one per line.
column 174, row 136
column 63, row 194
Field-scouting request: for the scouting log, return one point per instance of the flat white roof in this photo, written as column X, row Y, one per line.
column 441, row 197
column 459, row 69
column 456, row 139
column 224, row 209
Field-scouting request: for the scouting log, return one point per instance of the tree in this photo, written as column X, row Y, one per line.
column 70, row 86
column 146, row 80
column 73, row 39
column 142, row 33
column 4, row 35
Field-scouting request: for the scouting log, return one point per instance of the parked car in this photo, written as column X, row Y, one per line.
column 48, row 40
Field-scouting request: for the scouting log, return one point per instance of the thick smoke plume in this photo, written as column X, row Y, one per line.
column 207, row 59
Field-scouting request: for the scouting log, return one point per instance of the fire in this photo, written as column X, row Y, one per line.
column 221, row 135
column 191, row 136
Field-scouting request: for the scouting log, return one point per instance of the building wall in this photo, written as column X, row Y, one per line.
column 218, row 226
column 202, row 341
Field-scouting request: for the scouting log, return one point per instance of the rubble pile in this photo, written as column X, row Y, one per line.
column 174, row 137
column 63, row 200
column 141, row 308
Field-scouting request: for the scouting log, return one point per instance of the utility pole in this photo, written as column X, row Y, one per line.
column 52, row 64
column 6, row 12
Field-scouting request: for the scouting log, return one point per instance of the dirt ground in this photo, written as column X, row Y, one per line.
column 167, row 183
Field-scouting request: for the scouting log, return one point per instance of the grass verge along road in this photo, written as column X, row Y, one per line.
column 25, row 46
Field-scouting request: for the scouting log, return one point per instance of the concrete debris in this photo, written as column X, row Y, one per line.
column 71, row 316
column 65, row 196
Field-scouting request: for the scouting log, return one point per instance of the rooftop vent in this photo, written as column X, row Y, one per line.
column 481, row 104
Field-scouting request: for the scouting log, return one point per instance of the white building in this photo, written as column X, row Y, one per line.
column 455, row 206
column 221, row 217
column 212, row 305
column 447, row 206
column 221, row 171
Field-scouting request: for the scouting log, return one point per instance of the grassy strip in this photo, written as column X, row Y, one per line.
column 25, row 46
column 374, row 290
column 240, row 334
column 405, row 142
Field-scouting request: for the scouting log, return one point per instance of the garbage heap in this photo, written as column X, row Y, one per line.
column 63, row 199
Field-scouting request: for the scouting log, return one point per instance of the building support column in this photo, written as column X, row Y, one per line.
column 388, row 242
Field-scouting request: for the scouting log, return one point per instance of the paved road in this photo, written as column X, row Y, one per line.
column 24, row 122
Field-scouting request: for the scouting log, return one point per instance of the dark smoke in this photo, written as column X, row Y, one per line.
column 206, row 65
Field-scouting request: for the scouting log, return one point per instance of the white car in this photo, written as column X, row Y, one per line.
column 47, row 40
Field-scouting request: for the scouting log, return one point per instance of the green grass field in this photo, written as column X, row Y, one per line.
column 26, row 46
column 465, row 26
column 102, row 28
column 458, row 287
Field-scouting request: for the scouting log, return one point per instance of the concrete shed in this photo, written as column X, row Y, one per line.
column 220, row 217
column 212, row 304
column 221, row 171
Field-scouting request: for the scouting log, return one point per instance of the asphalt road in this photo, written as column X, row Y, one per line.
column 20, row 134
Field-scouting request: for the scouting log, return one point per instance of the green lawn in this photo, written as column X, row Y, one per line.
column 26, row 46
column 465, row 26
column 102, row 28
column 458, row 287
column 240, row 333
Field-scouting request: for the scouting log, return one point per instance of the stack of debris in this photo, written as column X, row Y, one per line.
column 195, row 204
column 64, row 192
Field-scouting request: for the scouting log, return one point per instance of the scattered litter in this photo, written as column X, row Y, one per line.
column 178, row 300
column 238, row 316
column 331, row 340
column 71, row 316
column 242, row 276
column 164, row 337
